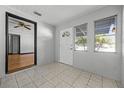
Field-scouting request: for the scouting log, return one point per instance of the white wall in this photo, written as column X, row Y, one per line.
column 106, row 64
column 27, row 43
column 45, row 39
column 122, row 71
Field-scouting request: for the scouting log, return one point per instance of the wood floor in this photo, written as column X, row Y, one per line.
column 16, row 61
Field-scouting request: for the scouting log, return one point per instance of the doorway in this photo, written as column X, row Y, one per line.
column 21, row 43
column 66, row 46
column 14, row 44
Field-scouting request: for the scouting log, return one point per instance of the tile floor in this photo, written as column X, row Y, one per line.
column 56, row 75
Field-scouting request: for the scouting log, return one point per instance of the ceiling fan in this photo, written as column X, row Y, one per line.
column 20, row 24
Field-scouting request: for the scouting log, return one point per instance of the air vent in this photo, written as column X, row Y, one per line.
column 37, row 13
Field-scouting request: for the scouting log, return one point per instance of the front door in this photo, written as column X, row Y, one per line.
column 66, row 46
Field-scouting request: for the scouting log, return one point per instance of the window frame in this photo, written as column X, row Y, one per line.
column 75, row 36
column 116, row 19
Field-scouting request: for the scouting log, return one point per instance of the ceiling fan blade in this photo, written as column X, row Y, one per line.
column 16, row 26
column 27, row 27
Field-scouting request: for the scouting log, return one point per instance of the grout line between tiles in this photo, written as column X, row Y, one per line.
column 31, row 80
column 89, row 79
column 76, row 78
column 16, row 81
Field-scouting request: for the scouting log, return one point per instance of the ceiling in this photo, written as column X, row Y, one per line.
column 17, row 23
column 57, row 14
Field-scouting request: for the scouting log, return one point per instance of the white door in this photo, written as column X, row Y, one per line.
column 66, row 46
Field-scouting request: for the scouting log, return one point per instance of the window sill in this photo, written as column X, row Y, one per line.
column 105, row 52
column 81, row 50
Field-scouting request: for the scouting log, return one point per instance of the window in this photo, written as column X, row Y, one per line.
column 105, row 34
column 81, row 37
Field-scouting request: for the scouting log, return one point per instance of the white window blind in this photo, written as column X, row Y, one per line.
column 103, row 26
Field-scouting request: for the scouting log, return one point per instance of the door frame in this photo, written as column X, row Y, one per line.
column 7, row 14
column 19, row 42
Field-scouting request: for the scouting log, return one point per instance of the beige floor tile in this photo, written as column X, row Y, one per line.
column 30, row 72
column 95, row 77
column 29, row 85
column 21, row 76
column 95, row 84
column 67, row 78
column 55, row 81
column 9, row 84
column 109, row 83
column 80, row 82
column 63, row 85
column 119, row 84
column 35, row 77
column 49, row 76
column 8, row 78
column 39, row 82
column 85, row 74
column 47, row 85
column 22, row 82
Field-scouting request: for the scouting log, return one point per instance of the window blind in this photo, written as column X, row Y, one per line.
column 103, row 26
column 81, row 30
